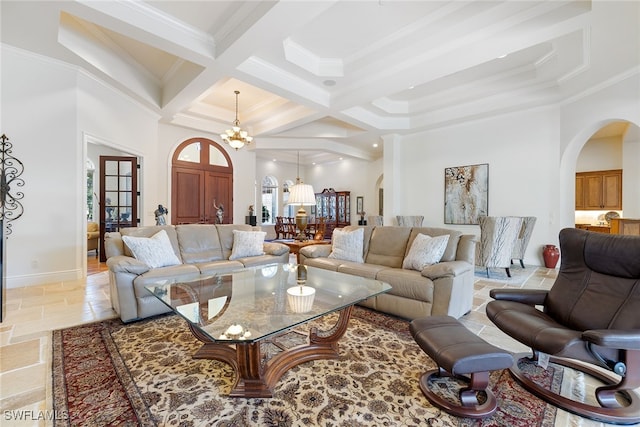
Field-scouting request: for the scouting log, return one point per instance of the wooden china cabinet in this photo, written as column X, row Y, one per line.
column 335, row 206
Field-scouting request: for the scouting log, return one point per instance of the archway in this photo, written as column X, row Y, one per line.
column 569, row 161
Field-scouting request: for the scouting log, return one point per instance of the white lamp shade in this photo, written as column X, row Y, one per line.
column 302, row 194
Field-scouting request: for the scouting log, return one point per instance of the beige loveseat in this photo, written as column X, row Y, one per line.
column 444, row 288
column 201, row 249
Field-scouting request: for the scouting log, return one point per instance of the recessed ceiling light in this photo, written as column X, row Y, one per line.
column 375, row 145
column 502, row 56
column 274, row 160
column 329, row 82
column 340, row 158
column 412, row 87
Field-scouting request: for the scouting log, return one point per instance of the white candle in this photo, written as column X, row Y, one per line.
column 234, row 330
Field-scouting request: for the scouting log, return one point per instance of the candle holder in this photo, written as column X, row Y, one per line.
column 301, row 298
column 235, row 332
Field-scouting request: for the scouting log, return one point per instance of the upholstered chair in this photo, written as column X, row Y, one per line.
column 410, row 220
column 520, row 247
column 498, row 236
column 93, row 236
column 375, row 220
column 588, row 321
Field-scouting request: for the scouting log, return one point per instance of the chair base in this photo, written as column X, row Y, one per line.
column 629, row 414
column 469, row 407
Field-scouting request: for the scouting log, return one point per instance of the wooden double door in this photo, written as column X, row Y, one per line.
column 201, row 188
column 198, row 194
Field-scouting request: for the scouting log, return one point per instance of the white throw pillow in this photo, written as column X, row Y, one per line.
column 155, row 251
column 247, row 243
column 347, row 245
column 425, row 250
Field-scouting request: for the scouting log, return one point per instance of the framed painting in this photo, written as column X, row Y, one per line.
column 466, row 193
column 359, row 205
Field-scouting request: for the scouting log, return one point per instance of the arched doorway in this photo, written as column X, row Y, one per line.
column 569, row 165
column 201, row 183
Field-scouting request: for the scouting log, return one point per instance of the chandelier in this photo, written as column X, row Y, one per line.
column 236, row 137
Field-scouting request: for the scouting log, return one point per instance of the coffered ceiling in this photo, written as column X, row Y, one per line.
column 329, row 79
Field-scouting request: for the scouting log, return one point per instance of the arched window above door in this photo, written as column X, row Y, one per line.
column 203, row 152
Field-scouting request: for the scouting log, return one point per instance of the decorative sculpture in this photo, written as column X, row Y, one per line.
column 160, row 215
column 219, row 211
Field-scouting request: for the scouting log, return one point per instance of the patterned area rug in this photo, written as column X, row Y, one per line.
column 108, row 373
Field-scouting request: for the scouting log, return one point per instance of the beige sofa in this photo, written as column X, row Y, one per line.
column 202, row 249
column 445, row 288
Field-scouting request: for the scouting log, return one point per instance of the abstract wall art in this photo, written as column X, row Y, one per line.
column 466, row 193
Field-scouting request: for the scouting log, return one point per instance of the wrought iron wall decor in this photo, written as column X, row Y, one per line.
column 10, row 171
column 10, row 207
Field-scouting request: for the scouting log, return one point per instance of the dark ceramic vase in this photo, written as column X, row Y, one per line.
column 550, row 254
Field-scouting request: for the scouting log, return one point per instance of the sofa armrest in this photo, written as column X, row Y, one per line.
column 612, row 338
column 524, row 296
column 316, row 251
column 126, row 264
column 446, row 269
column 275, row 248
column 452, row 287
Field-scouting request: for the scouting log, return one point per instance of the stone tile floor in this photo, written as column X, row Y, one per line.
column 34, row 311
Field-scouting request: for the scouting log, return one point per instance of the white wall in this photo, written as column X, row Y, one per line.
column 357, row 176
column 600, row 154
column 521, row 150
column 243, row 161
column 39, row 117
column 631, row 176
column 48, row 109
column 581, row 117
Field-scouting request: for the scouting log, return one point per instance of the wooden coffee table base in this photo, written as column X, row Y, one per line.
column 253, row 380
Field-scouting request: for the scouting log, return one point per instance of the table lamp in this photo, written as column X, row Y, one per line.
column 303, row 195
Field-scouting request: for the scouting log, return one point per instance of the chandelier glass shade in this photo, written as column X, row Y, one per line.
column 236, row 137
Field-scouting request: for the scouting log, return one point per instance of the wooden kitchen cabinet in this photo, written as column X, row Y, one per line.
column 596, row 228
column 599, row 190
column 630, row 227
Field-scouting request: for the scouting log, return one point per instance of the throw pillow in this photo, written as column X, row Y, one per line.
column 425, row 250
column 347, row 245
column 155, row 251
column 247, row 243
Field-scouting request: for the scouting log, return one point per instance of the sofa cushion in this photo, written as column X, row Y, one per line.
column 324, row 263
column 199, row 243
column 369, row 271
column 175, row 273
column 425, row 250
column 155, row 251
column 149, row 231
column 225, row 233
column 407, row 283
column 247, row 243
column 218, row 267
column 388, row 246
column 452, row 245
column 347, row 245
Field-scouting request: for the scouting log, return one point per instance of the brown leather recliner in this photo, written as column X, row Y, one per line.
column 591, row 314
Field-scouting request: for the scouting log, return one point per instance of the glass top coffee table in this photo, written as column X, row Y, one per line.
column 234, row 314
